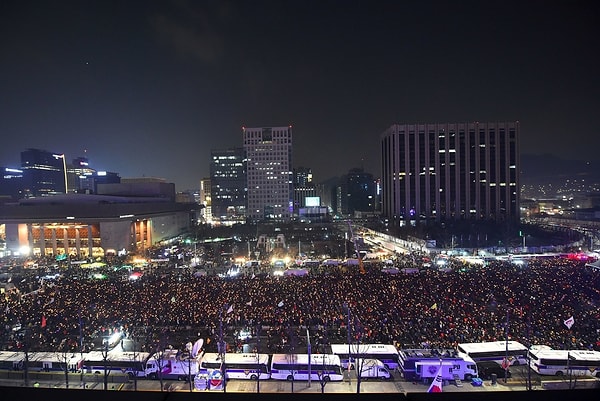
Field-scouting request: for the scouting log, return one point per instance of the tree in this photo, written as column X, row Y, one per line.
column 159, row 343
column 291, row 349
column 358, row 349
column 135, row 356
column 322, row 373
column 66, row 354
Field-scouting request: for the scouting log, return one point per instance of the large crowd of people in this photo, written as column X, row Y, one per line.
column 428, row 309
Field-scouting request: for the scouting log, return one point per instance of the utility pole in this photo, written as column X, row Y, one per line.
column 358, row 364
column 347, row 306
column 26, row 344
column 529, row 352
column 105, row 358
column 189, row 349
column 308, row 345
column 258, row 358
column 506, row 362
column 222, row 348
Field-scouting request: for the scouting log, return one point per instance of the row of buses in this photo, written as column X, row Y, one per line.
column 373, row 360
column 542, row 359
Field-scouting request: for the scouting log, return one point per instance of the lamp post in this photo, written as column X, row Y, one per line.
column 308, row 345
column 347, row 307
column 222, row 348
column 259, row 366
column 506, row 362
column 64, row 159
column 493, row 306
column 105, row 358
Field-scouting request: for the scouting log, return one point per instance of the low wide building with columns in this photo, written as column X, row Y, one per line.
column 92, row 225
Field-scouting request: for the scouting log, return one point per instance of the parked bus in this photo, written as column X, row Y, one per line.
column 496, row 351
column 132, row 363
column 11, row 360
column 40, row 361
column 545, row 361
column 54, row 361
column 386, row 353
column 326, row 367
column 238, row 366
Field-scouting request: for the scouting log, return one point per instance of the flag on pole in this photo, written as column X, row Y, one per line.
column 197, row 347
column 436, row 384
column 43, row 321
column 569, row 322
column 230, row 309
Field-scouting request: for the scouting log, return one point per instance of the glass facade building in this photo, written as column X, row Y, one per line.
column 228, row 183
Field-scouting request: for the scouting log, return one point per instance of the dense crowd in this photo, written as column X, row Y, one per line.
column 428, row 309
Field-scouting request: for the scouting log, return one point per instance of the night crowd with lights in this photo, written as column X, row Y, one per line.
column 425, row 310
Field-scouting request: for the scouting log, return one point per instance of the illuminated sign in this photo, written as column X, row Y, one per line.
column 312, row 201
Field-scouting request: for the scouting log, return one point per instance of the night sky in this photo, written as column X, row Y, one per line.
column 148, row 88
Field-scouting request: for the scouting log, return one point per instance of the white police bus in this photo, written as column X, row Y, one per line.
column 497, row 351
column 250, row 366
column 554, row 362
column 326, row 367
column 386, row 353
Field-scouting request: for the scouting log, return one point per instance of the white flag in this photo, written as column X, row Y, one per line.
column 280, row 304
column 569, row 322
column 197, row 347
column 230, row 309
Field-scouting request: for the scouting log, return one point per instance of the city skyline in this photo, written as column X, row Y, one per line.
column 150, row 88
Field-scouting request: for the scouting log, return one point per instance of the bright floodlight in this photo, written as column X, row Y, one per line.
column 115, row 337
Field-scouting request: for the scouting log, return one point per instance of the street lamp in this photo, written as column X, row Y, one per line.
column 222, row 348
column 259, row 366
column 64, row 159
column 347, row 307
column 105, row 359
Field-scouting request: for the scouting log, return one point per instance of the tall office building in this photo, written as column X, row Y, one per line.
column 451, row 171
column 357, row 192
column 45, row 173
column 303, row 188
column 79, row 175
column 11, row 183
column 228, row 183
column 269, row 158
column 205, row 199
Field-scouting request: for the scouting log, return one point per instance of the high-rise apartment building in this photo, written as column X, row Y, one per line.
column 269, row 158
column 228, row 183
column 451, row 171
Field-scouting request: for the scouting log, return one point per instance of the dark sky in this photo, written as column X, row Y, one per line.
column 148, row 88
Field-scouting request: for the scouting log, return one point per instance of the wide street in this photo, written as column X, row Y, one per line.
column 518, row 382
